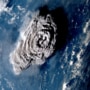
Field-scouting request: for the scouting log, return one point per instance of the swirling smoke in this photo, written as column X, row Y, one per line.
column 37, row 43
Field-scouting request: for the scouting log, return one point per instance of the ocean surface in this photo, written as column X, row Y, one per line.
column 68, row 68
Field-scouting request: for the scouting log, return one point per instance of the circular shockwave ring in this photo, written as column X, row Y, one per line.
column 36, row 44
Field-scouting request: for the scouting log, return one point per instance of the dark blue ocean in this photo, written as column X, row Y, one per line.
column 68, row 68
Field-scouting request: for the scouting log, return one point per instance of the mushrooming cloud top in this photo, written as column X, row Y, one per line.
column 36, row 44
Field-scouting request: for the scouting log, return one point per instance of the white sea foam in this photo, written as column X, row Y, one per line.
column 87, row 31
column 3, row 4
column 83, row 44
column 86, row 26
column 64, row 86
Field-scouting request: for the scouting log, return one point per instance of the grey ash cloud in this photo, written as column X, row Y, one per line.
column 45, row 34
